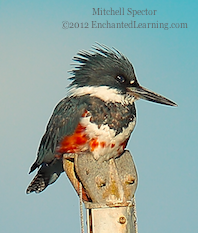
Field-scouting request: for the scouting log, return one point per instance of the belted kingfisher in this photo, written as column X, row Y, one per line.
column 98, row 115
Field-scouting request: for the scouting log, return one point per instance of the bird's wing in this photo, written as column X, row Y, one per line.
column 63, row 122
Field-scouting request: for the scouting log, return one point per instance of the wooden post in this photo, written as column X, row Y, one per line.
column 107, row 191
column 112, row 219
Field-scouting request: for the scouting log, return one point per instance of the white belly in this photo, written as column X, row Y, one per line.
column 104, row 143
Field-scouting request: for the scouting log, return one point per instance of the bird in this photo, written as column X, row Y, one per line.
column 97, row 116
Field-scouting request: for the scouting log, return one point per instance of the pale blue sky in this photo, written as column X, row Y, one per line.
column 35, row 55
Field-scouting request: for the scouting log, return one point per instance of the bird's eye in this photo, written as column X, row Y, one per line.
column 120, row 78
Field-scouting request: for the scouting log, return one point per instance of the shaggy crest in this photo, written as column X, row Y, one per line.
column 97, row 64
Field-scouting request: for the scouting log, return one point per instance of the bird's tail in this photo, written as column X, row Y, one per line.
column 46, row 175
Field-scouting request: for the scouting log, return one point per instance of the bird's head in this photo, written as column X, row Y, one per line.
column 104, row 71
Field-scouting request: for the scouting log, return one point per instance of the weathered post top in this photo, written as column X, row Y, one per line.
column 107, row 191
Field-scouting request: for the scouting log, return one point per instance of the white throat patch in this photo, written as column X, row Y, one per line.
column 103, row 92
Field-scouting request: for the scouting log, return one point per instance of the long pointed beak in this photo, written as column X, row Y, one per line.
column 142, row 93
